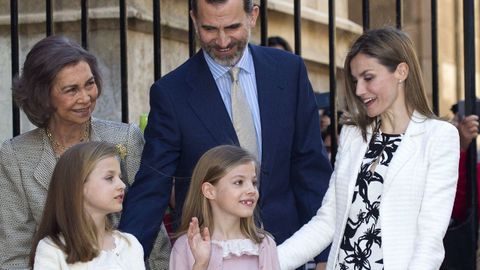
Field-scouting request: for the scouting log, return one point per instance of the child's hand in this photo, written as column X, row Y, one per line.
column 200, row 244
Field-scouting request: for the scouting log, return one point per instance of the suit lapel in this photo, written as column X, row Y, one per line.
column 269, row 88
column 96, row 133
column 43, row 170
column 206, row 101
column 406, row 149
column 208, row 105
column 357, row 149
column 352, row 158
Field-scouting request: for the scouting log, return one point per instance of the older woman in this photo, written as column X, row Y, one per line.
column 57, row 91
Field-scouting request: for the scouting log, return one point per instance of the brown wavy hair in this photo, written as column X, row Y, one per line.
column 64, row 218
column 211, row 167
column 390, row 47
column 31, row 91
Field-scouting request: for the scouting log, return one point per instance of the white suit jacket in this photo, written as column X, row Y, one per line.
column 417, row 200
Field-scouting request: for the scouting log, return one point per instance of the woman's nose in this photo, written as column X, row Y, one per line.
column 85, row 96
column 359, row 89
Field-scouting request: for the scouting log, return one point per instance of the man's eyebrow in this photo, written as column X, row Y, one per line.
column 206, row 26
column 235, row 25
column 231, row 26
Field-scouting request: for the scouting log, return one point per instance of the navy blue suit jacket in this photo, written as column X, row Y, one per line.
column 188, row 117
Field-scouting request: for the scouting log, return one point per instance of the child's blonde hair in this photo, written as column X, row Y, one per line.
column 211, row 167
column 64, row 219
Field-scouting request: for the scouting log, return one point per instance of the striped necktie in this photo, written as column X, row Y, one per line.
column 242, row 116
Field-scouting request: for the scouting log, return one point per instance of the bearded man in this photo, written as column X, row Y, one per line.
column 231, row 92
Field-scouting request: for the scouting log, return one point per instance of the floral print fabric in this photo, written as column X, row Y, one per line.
column 361, row 245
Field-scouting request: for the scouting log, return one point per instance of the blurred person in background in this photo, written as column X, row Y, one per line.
column 279, row 43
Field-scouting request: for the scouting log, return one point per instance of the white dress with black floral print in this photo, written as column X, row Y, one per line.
column 361, row 245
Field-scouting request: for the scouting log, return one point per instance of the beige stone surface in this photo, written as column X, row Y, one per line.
column 104, row 42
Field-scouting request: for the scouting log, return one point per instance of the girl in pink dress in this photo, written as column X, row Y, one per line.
column 218, row 228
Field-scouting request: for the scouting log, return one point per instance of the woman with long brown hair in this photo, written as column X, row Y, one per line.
column 390, row 197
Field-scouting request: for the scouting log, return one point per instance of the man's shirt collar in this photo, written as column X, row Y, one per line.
column 245, row 63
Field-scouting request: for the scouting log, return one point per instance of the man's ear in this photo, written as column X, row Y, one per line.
column 254, row 15
column 401, row 73
column 192, row 15
column 209, row 191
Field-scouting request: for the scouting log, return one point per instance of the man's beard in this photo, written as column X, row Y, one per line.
column 229, row 60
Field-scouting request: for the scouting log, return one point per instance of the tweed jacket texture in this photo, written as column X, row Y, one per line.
column 416, row 203
column 129, row 255
column 26, row 166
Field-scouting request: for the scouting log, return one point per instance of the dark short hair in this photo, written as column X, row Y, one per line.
column 454, row 108
column 31, row 91
column 276, row 40
column 247, row 5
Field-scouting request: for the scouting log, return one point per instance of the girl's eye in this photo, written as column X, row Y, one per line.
column 109, row 178
column 368, row 78
column 238, row 182
column 254, row 183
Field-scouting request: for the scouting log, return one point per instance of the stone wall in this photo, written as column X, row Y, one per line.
column 104, row 41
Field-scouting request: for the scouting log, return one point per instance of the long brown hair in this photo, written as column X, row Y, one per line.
column 64, row 219
column 211, row 167
column 390, row 47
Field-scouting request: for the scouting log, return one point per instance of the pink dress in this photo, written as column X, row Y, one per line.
column 237, row 254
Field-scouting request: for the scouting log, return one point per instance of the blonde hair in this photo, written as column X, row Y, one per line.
column 64, row 219
column 211, row 167
column 390, row 47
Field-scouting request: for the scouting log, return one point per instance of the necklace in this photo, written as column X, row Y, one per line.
column 59, row 148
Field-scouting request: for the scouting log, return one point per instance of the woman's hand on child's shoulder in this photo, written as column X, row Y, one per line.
column 200, row 244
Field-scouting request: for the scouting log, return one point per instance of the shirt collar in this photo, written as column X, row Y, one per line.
column 245, row 63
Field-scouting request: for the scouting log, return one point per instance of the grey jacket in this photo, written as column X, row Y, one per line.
column 26, row 166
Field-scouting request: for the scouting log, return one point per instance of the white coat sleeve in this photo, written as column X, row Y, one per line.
column 317, row 234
